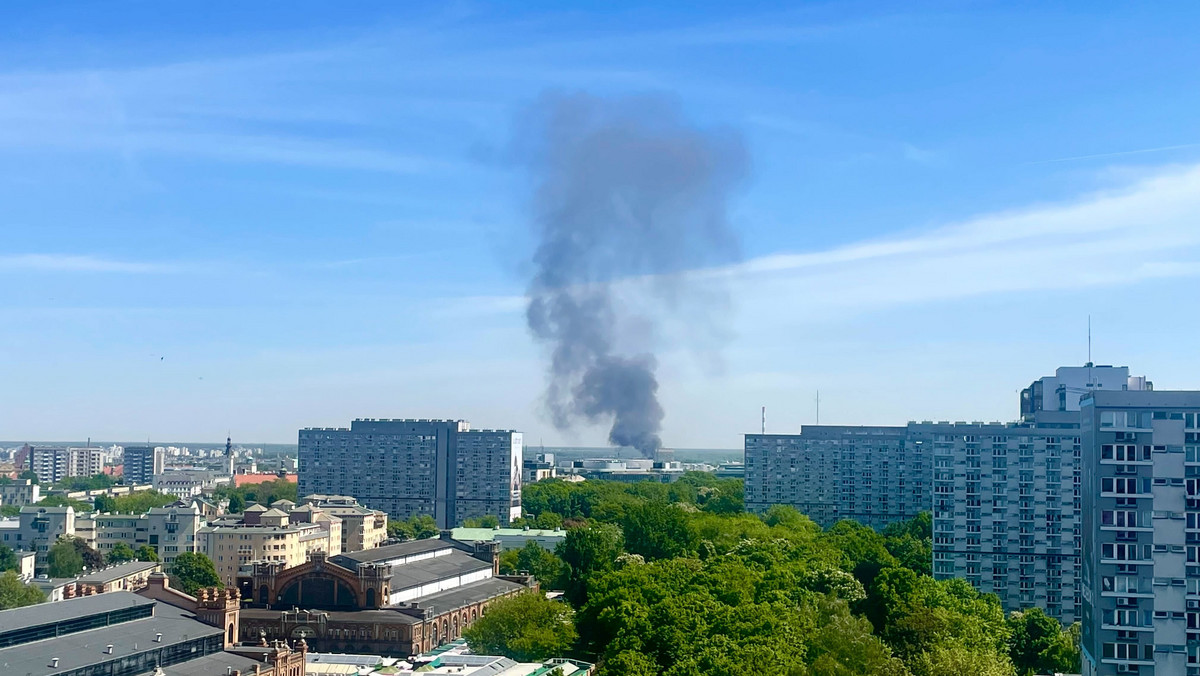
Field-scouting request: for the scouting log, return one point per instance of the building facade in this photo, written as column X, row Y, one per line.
column 411, row 467
column 20, row 492
column 1006, row 505
column 169, row 531
column 1141, row 533
column 395, row 600
column 41, row 527
column 56, row 464
column 870, row 474
column 362, row 528
column 266, row 535
column 142, row 463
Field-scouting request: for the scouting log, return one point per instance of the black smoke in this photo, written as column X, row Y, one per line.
column 628, row 196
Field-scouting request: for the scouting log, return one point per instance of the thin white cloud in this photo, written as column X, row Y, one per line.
column 84, row 264
column 1149, row 230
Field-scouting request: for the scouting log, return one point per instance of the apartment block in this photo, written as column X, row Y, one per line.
column 872, row 475
column 55, row 464
column 169, row 531
column 19, row 492
column 263, row 534
column 362, row 528
column 410, row 467
column 40, row 527
column 1006, row 504
column 1141, row 533
column 142, row 463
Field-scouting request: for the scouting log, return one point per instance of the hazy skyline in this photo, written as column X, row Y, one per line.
column 256, row 218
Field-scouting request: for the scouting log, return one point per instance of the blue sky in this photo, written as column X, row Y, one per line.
column 257, row 217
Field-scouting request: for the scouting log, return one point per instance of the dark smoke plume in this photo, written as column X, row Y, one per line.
column 628, row 196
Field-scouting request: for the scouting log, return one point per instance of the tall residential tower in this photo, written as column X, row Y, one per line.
column 442, row 468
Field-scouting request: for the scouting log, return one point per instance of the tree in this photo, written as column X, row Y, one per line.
column 121, row 553
column 527, row 627
column 586, row 552
column 141, row 502
column 541, row 564
column 63, row 560
column 8, row 558
column 193, row 572
column 146, row 553
column 10, row 510
column 1039, row 644
column 237, row 504
column 64, row 501
column 105, row 503
column 29, row 474
column 658, row 531
column 15, row 594
column 92, row 559
column 423, row 526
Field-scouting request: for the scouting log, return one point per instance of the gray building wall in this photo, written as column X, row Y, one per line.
column 141, row 463
column 1141, row 531
column 870, row 474
column 412, row 467
column 1006, row 503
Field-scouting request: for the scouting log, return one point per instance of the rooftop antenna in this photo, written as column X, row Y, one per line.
column 764, row 419
column 1090, row 364
column 818, row 407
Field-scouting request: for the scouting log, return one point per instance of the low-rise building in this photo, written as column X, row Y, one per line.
column 169, row 531
column 512, row 538
column 266, row 535
column 395, row 600
column 130, row 576
column 362, row 528
column 41, row 527
column 25, row 564
column 19, row 492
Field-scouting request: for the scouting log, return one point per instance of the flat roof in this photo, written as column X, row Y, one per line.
column 425, row 571
column 485, row 534
column 87, row 647
column 384, row 615
column 215, row 664
column 46, row 613
column 469, row 594
column 119, row 571
column 388, row 552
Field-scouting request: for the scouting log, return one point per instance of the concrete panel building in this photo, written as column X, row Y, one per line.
column 870, row 474
column 169, row 531
column 56, row 464
column 442, row 468
column 142, row 463
column 1006, row 503
column 1141, row 533
column 19, row 492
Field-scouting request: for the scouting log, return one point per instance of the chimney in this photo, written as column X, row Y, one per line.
column 158, row 637
column 53, row 662
column 108, row 649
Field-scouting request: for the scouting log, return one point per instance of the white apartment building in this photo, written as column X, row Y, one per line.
column 55, row 464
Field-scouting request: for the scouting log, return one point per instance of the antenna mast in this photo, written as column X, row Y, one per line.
column 764, row 419
column 818, row 407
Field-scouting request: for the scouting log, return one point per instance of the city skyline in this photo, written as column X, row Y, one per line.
column 233, row 224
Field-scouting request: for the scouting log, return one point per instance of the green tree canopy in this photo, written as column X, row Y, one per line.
column 121, row 553
column 105, row 503
column 141, row 502
column 92, row 559
column 63, row 560
column 192, row 572
column 533, row 559
column 526, row 627
column 146, row 553
column 586, row 552
column 29, row 474
column 15, row 594
column 64, row 501
column 8, row 558
column 237, row 504
column 1039, row 644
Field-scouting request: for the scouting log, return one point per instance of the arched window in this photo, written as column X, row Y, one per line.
column 370, row 598
column 231, row 638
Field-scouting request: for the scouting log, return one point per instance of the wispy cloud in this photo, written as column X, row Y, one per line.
column 1121, row 153
column 83, row 264
column 1146, row 231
